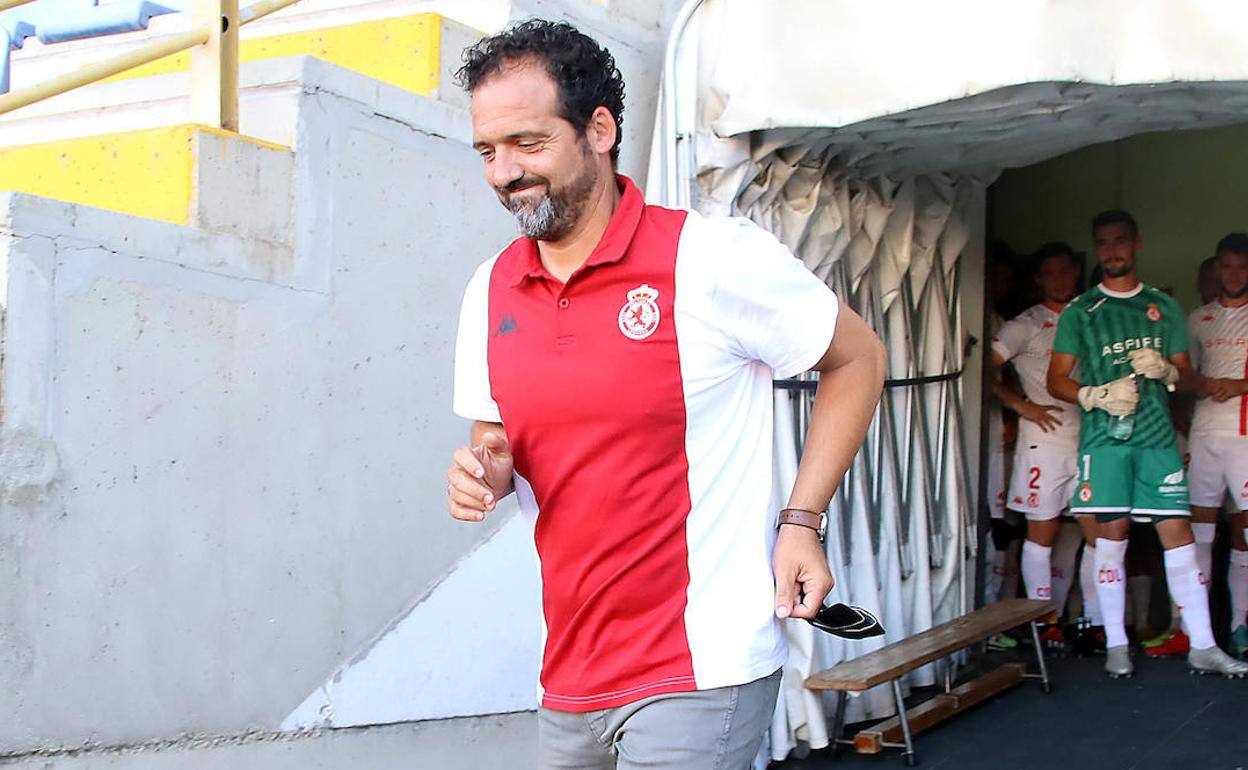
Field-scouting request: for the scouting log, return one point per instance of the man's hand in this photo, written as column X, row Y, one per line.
column 802, row 575
column 479, row 477
column 1119, row 397
column 1150, row 363
column 1223, row 389
column 1039, row 414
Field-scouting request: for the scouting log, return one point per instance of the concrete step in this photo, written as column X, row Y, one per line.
column 187, row 174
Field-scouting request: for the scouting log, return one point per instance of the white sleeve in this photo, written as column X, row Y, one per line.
column 1011, row 338
column 772, row 308
column 472, row 397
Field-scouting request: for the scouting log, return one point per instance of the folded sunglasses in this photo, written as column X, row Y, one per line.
column 847, row 622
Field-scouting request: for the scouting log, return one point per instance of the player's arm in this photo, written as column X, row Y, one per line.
column 1220, row 388
column 1217, row 388
column 1058, row 380
column 1118, row 397
column 851, row 379
column 1028, row 410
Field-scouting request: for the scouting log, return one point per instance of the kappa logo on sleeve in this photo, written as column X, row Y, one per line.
column 640, row 315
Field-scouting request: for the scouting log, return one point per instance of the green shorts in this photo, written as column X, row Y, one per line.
column 1117, row 481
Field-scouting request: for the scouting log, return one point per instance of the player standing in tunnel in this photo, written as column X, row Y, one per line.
column 1045, row 472
column 1130, row 343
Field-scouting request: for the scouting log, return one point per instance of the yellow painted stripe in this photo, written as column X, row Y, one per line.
column 403, row 51
column 148, row 173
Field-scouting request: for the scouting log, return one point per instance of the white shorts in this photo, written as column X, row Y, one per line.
column 995, row 488
column 1219, row 464
column 1043, row 481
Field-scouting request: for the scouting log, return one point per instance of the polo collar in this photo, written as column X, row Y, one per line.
column 610, row 249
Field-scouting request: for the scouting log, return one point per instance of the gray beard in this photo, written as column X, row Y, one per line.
column 554, row 216
column 538, row 222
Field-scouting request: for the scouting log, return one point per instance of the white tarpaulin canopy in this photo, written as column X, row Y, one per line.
column 864, row 134
column 971, row 83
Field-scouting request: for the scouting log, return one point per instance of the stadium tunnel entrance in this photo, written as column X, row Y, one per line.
column 888, row 156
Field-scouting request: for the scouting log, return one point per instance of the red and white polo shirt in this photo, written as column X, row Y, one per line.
column 638, row 401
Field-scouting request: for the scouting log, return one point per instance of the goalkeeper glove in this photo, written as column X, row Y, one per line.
column 1149, row 363
column 1119, row 398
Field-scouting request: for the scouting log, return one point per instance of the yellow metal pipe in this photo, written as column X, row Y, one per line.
column 7, row 4
column 260, row 9
column 90, row 73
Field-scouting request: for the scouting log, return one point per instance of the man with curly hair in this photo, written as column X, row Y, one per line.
column 617, row 363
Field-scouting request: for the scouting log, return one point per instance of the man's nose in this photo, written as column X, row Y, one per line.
column 503, row 170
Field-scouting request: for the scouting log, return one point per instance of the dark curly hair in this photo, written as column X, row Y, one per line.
column 584, row 71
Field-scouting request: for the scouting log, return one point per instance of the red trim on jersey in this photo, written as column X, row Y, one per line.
column 597, row 425
column 1243, row 405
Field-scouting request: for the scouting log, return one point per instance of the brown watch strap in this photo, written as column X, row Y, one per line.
column 797, row 516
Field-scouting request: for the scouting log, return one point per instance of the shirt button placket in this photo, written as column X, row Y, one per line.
column 564, row 337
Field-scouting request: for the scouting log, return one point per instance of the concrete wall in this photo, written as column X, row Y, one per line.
column 1183, row 187
column 218, row 487
column 222, row 460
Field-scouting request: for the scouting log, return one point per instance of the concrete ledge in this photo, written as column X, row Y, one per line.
column 224, row 254
column 181, row 174
column 494, row 742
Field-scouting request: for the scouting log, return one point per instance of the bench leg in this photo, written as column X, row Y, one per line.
column 911, row 759
column 838, row 722
column 1044, row 670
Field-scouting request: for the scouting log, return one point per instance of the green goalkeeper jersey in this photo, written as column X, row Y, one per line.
column 1100, row 329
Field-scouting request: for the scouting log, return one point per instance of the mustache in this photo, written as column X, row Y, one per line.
column 523, row 183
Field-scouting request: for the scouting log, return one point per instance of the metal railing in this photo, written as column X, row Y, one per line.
column 212, row 41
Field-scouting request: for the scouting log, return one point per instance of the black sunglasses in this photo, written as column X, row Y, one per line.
column 847, row 622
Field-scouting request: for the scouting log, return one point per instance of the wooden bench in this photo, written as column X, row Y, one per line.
column 889, row 664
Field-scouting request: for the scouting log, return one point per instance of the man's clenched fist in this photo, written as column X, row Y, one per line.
column 479, row 477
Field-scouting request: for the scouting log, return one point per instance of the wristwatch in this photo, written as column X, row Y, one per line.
column 809, row 519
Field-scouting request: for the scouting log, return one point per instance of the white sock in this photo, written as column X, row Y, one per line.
column 1204, row 534
column 1111, row 588
column 1065, row 551
column 1036, row 570
column 1187, row 587
column 1087, row 586
column 1237, row 577
column 994, row 574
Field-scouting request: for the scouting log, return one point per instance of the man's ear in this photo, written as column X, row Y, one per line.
column 602, row 130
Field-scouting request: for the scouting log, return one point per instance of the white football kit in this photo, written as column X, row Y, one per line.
column 995, row 486
column 1218, row 445
column 1045, row 471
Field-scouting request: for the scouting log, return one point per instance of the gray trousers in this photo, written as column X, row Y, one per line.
column 718, row 729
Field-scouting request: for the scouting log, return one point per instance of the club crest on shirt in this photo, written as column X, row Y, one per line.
column 1154, row 313
column 640, row 315
column 1085, row 493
